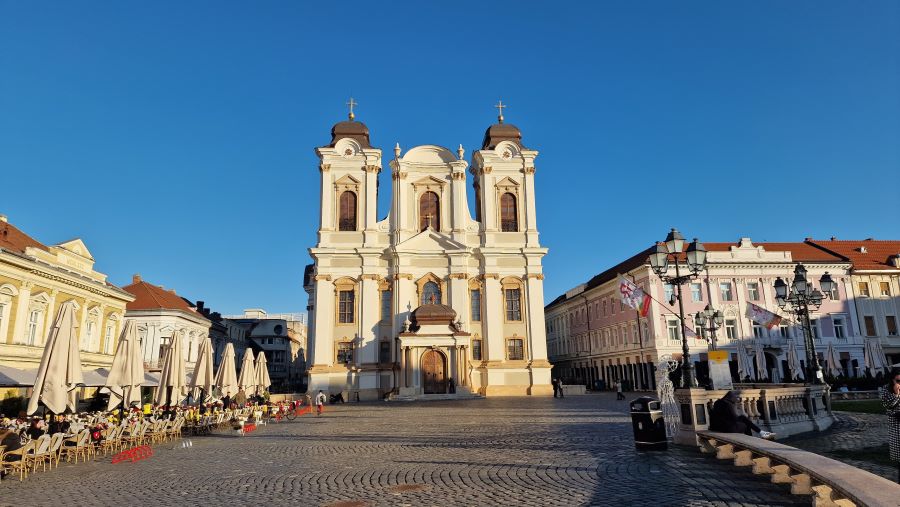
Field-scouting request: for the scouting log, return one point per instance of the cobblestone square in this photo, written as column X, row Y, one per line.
column 495, row 451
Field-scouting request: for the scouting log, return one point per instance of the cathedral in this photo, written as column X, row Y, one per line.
column 427, row 301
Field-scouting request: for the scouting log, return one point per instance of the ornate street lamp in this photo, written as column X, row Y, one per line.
column 797, row 299
column 709, row 321
column 695, row 257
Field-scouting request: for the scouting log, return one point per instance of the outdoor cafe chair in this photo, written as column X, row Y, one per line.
column 39, row 453
column 55, row 445
column 20, row 464
column 110, row 439
column 78, row 447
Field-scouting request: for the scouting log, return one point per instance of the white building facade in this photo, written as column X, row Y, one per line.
column 369, row 275
column 592, row 336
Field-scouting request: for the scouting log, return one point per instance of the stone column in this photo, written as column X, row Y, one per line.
column 22, row 302
column 531, row 233
column 49, row 317
column 323, row 348
column 369, row 312
column 402, row 375
column 82, row 324
column 326, row 216
column 492, row 319
column 537, row 336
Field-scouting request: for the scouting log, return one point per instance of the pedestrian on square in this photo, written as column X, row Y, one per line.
column 556, row 390
column 726, row 417
column 890, row 399
column 320, row 401
column 619, row 394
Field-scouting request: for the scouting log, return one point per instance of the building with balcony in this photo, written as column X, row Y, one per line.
column 593, row 336
column 35, row 280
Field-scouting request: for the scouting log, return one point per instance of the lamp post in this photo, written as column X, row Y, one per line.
column 709, row 321
column 799, row 297
column 695, row 256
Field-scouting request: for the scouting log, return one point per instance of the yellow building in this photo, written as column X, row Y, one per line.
column 35, row 279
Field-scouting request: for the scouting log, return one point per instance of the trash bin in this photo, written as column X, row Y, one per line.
column 648, row 424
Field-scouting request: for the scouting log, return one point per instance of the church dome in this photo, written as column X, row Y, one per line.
column 352, row 129
column 433, row 314
column 499, row 132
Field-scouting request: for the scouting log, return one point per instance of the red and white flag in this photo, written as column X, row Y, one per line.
column 633, row 296
column 762, row 316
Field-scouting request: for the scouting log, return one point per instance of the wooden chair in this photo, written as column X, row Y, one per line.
column 110, row 439
column 78, row 446
column 20, row 464
column 39, row 453
column 56, row 441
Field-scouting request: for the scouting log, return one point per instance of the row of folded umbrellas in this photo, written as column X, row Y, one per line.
column 60, row 373
column 875, row 360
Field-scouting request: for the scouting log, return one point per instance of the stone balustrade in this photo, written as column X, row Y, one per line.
column 784, row 409
column 831, row 483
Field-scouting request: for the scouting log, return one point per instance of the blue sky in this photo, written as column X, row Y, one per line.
column 176, row 138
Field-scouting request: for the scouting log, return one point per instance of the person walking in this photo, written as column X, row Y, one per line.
column 890, row 399
column 619, row 394
column 320, row 402
column 555, row 384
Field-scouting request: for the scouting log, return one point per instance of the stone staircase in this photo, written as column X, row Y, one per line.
column 462, row 393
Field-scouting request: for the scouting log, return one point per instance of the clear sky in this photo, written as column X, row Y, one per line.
column 176, row 138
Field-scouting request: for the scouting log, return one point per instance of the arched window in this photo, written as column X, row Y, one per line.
column 431, row 289
column 347, row 221
column 429, row 211
column 509, row 221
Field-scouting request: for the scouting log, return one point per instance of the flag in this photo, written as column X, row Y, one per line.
column 633, row 296
column 762, row 316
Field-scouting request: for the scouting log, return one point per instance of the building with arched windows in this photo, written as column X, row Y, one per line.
column 427, row 300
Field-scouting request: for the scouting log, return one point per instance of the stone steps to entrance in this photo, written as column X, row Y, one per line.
column 435, row 397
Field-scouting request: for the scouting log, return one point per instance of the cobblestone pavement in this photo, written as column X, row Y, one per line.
column 504, row 451
column 851, row 432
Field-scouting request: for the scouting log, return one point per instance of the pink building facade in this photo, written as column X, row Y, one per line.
column 593, row 339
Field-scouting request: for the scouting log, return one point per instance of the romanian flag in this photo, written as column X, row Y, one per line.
column 633, row 296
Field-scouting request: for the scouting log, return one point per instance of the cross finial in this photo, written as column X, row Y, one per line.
column 352, row 103
column 500, row 107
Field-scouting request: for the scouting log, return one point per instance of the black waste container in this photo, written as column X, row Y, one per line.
column 648, row 424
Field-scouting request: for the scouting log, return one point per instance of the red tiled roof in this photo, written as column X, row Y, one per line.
column 877, row 255
column 802, row 252
column 12, row 239
column 152, row 297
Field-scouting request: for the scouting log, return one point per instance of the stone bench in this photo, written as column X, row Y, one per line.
column 831, row 482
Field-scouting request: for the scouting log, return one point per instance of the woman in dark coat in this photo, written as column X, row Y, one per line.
column 890, row 399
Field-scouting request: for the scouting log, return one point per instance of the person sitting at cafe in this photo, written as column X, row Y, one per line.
column 11, row 441
column 35, row 429
column 59, row 424
column 726, row 417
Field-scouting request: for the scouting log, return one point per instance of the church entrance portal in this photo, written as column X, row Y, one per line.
column 434, row 374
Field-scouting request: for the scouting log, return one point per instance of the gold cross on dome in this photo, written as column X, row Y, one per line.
column 500, row 107
column 352, row 103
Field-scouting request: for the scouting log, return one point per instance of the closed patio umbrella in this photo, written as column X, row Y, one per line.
column 172, row 378
column 262, row 374
column 59, row 374
column 745, row 366
column 226, row 377
column 794, row 362
column 874, row 357
column 247, row 380
column 762, row 373
column 127, row 372
column 203, row 371
column 832, row 363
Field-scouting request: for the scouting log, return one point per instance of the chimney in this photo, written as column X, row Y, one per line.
column 895, row 261
column 3, row 218
column 173, row 291
column 863, row 249
column 833, row 238
column 136, row 278
column 200, row 306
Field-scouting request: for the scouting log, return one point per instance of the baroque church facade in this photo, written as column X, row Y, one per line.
column 428, row 300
